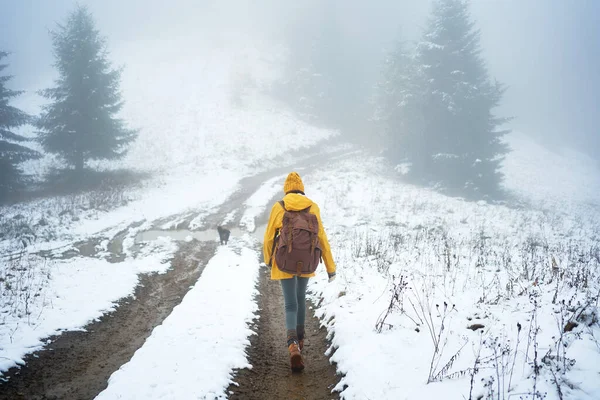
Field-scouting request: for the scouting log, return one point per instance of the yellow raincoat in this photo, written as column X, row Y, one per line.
column 294, row 202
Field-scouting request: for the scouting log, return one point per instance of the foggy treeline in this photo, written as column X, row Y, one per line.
column 432, row 105
column 425, row 93
column 542, row 51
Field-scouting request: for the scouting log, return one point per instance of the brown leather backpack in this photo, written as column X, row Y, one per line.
column 298, row 250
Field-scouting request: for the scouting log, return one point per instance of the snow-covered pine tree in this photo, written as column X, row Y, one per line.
column 11, row 152
column 462, row 135
column 81, row 122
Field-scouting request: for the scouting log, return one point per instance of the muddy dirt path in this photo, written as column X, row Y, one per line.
column 271, row 376
column 77, row 365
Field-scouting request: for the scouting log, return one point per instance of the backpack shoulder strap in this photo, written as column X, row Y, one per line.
column 282, row 205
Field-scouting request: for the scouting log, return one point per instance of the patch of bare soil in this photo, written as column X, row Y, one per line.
column 271, row 376
column 77, row 365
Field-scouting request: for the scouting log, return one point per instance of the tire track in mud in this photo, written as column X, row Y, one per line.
column 271, row 376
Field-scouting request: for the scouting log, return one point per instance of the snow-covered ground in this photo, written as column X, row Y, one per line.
column 416, row 269
column 193, row 353
column 52, row 296
column 565, row 179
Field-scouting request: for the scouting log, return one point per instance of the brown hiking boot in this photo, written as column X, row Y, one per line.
column 295, row 357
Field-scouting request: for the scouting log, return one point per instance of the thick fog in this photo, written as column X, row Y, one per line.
column 546, row 51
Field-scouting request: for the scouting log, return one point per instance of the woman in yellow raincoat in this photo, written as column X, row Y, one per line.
column 294, row 286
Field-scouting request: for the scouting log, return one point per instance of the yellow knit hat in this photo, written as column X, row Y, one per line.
column 293, row 182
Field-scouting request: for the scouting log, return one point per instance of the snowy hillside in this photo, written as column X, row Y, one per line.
column 565, row 179
column 481, row 301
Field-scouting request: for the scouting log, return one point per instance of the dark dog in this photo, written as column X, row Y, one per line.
column 223, row 234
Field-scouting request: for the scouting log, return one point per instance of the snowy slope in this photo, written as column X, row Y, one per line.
column 207, row 106
column 558, row 179
column 435, row 262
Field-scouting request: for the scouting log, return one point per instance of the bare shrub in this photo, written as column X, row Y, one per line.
column 500, row 361
column 378, row 249
column 23, row 283
column 20, row 228
column 437, row 332
column 545, row 266
column 396, row 302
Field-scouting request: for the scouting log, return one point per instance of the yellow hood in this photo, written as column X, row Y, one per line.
column 296, row 202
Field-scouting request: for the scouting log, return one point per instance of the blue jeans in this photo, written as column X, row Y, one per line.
column 294, row 296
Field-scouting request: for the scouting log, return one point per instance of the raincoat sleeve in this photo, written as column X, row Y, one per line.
column 327, row 256
column 275, row 221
